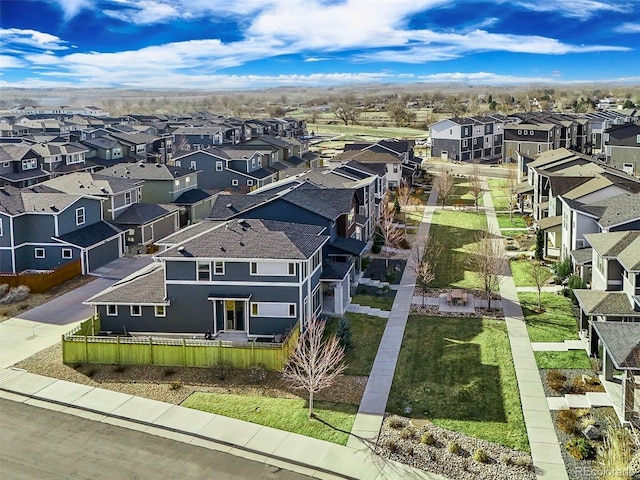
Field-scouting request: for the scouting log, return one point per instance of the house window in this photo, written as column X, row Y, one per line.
column 249, row 183
column 127, row 198
column 177, row 183
column 395, row 168
column 178, row 163
column 193, row 165
column 254, row 268
column 187, row 180
column 273, row 309
column 39, row 252
column 160, row 311
column 6, row 164
column 204, row 271
column 292, row 269
column 136, row 311
column 254, row 309
column 29, row 164
column 218, row 166
column 316, row 260
column 292, row 309
column 0, row 227
column 519, row 132
column 67, row 253
column 112, row 310
column 234, row 183
column 80, row 216
column 218, row 268
column 465, row 143
column 525, row 132
column 539, row 148
column 530, row 132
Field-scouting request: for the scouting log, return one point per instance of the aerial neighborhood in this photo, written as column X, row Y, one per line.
column 479, row 280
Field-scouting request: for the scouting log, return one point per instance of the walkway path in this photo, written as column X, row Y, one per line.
column 543, row 440
column 374, row 401
column 367, row 310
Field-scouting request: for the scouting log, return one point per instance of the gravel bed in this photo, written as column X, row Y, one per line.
column 175, row 384
column 583, row 469
column 434, row 311
column 570, row 374
column 403, row 444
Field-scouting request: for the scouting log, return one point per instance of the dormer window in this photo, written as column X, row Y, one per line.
column 80, row 216
column 29, row 164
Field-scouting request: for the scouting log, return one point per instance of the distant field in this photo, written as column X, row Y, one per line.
column 351, row 131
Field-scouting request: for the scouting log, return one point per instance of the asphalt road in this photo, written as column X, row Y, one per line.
column 36, row 443
column 68, row 308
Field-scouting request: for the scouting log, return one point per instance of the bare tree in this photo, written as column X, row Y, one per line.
column 475, row 184
column 510, row 185
column 346, row 110
column 392, row 235
column 424, row 261
column 444, row 185
column 486, row 258
column 315, row 363
column 539, row 274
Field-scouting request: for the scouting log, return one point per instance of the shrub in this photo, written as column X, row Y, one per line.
column 375, row 248
column 578, row 448
column 257, row 373
column 4, row 288
column 562, row 270
column 539, row 248
column 616, row 452
column 222, row 370
column 407, row 433
column 343, row 333
column 16, row 294
column 575, row 281
column 175, row 385
column 409, row 451
column 524, row 462
column 391, row 445
column 511, row 248
column 167, row 372
column 120, row 368
column 453, row 447
column 91, row 372
column 567, row 421
column 480, row 456
column 506, row 459
column 578, row 386
column 556, row 381
column 427, row 438
column 395, row 422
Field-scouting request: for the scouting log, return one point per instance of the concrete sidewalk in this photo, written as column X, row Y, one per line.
column 543, row 440
column 281, row 449
column 368, row 422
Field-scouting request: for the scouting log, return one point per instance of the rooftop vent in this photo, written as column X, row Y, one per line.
column 181, row 248
column 229, row 205
column 158, row 165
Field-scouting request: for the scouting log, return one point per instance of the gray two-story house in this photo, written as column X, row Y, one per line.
column 244, row 276
column 20, row 166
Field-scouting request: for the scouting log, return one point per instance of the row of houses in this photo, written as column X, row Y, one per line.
column 611, row 136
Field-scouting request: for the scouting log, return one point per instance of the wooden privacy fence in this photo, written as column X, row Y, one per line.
column 41, row 282
column 173, row 352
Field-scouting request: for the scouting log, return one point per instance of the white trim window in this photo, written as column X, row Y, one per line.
column 273, row 269
column 219, row 166
column 127, row 198
column 160, row 311
column 39, row 253
column 67, row 253
column 218, row 267
column 203, row 271
column 29, row 164
column 249, row 183
column 193, row 165
column 136, row 310
column 234, row 183
column 80, row 218
column 0, row 227
column 112, row 310
column 273, row 309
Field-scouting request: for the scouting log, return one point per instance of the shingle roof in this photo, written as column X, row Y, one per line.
column 188, row 232
column 582, row 256
column 610, row 244
column 250, row 239
column 142, row 213
column 328, row 203
column 622, row 341
column 146, row 171
column 91, row 234
column 228, row 206
column 85, row 183
column 605, row 303
column 335, row 271
column 615, row 210
column 146, row 286
column 192, row 196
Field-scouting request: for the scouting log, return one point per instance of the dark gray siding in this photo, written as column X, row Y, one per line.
column 33, row 228
column 67, row 218
column 104, row 254
column 452, row 147
column 5, row 228
column 164, row 227
column 6, row 262
column 626, row 226
column 26, row 259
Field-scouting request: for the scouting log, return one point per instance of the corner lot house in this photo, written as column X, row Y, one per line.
column 250, row 278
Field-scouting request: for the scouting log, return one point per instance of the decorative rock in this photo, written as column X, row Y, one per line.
column 592, row 433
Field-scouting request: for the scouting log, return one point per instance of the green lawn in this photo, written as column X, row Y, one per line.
column 281, row 413
column 562, row 360
column 520, row 276
column 366, row 333
column 498, row 194
column 516, row 221
column 456, row 231
column 458, row 373
column 383, row 303
column 555, row 324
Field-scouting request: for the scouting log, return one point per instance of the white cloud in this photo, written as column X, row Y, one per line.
column 7, row 61
column 145, row 12
column 31, row 39
column 71, row 8
column 628, row 28
column 581, row 9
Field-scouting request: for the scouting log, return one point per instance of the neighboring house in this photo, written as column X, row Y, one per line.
column 467, row 139
column 392, row 163
column 138, row 146
column 606, row 313
column 20, row 166
column 40, row 230
column 145, row 223
column 622, row 147
column 198, row 138
column 250, row 277
column 105, row 151
column 165, row 184
column 62, row 157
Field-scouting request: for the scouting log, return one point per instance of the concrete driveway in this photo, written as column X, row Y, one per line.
column 68, row 308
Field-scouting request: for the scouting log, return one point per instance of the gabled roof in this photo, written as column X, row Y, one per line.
column 612, row 244
column 251, row 239
column 14, row 201
column 90, row 235
column 228, row 206
column 368, row 156
column 195, row 195
column 604, row 303
column 560, row 185
column 146, row 171
column 146, row 286
column 328, row 203
column 85, row 183
column 188, row 232
column 582, row 256
column 622, row 341
column 143, row 213
column 615, row 210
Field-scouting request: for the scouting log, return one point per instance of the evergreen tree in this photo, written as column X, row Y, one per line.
column 343, row 333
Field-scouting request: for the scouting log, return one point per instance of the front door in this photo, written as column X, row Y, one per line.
column 234, row 314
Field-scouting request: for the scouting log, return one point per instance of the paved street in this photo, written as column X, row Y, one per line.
column 43, row 444
column 68, row 308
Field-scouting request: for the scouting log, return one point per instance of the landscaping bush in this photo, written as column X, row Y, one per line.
column 480, row 456
column 175, row 385
column 395, row 422
column 539, row 251
column 257, row 373
column 222, row 370
column 120, row 368
column 556, row 381
column 167, row 372
column 506, row 459
column 567, row 421
column 343, row 333
column 391, row 445
column 407, row 433
column 523, row 462
column 578, row 448
column 4, row 288
column 616, row 453
column 453, row 447
column 575, row 281
column 562, row 270
column 577, row 386
column 376, row 248
column 427, row 438
column 16, row 294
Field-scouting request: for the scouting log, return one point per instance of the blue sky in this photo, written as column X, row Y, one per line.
column 217, row 44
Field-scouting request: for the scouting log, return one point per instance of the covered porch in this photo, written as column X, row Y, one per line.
column 620, row 343
column 582, row 260
column 335, row 282
column 552, row 228
column 602, row 306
